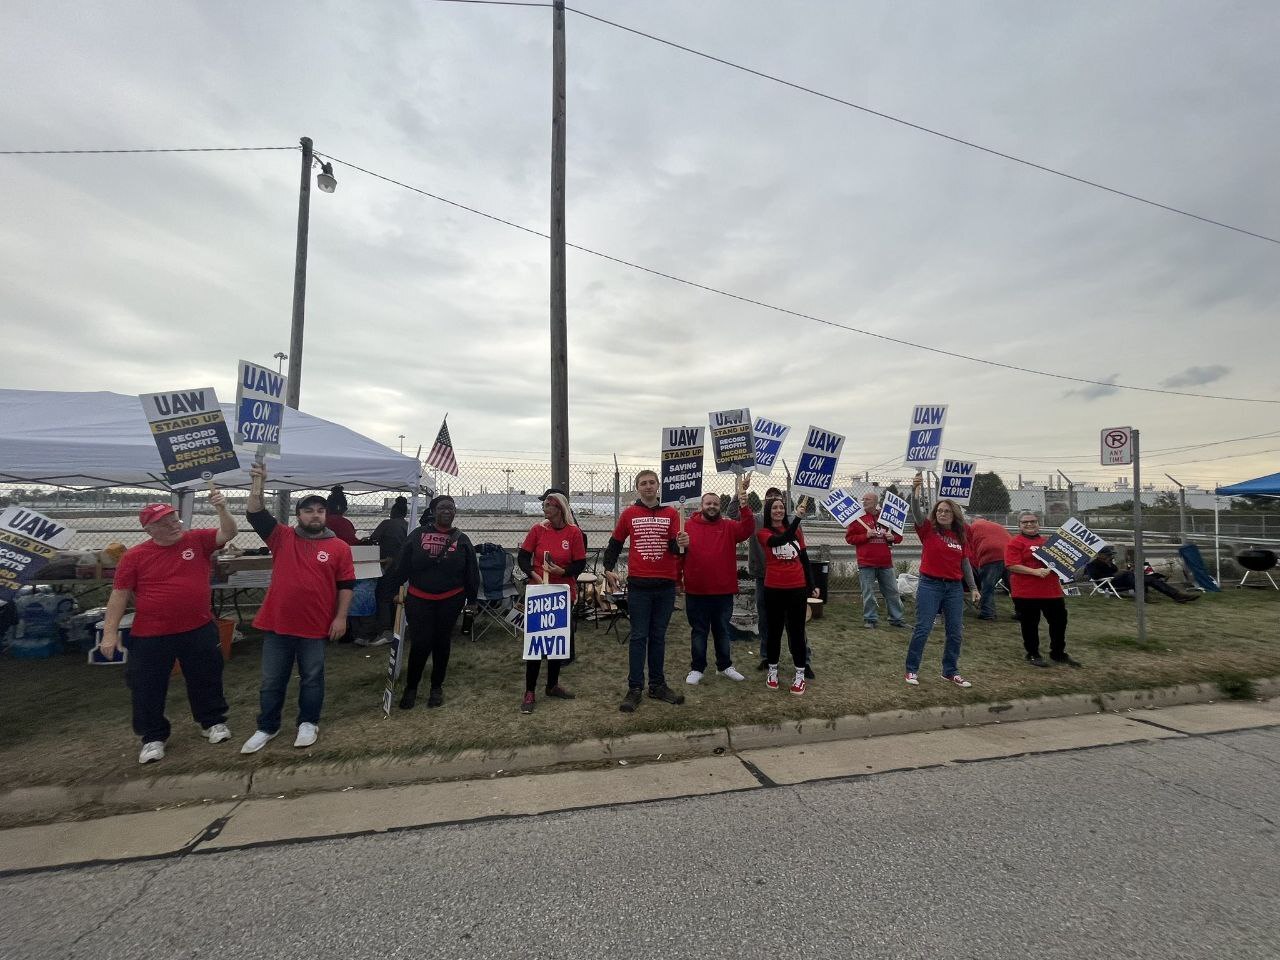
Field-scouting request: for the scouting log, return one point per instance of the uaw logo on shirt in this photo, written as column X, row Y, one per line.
column 188, row 554
column 564, row 544
column 322, row 556
column 786, row 551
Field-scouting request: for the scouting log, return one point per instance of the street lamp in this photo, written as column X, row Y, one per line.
column 402, row 443
column 326, row 181
column 293, row 392
column 280, row 357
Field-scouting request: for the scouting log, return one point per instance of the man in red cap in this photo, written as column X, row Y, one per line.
column 312, row 579
column 168, row 578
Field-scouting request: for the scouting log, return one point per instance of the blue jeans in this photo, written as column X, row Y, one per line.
column 762, row 619
column 279, row 653
column 709, row 613
column 989, row 575
column 650, row 610
column 934, row 595
column 868, row 577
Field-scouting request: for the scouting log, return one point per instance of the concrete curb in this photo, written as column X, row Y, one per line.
column 42, row 802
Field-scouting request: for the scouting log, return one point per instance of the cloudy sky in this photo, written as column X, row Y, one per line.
column 137, row 273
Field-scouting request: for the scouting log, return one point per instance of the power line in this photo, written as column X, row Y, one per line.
column 923, row 129
column 795, row 313
column 48, row 153
column 498, row 3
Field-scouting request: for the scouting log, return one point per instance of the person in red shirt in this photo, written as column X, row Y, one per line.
column 788, row 583
column 709, row 570
column 652, row 569
column 553, row 551
column 312, row 579
column 945, row 573
column 987, row 542
column 168, row 578
column 875, row 563
column 335, row 517
column 1036, row 589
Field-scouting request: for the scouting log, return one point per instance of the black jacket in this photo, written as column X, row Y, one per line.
column 454, row 567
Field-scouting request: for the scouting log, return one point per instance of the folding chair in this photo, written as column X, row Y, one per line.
column 496, row 603
column 1195, row 572
column 1104, row 586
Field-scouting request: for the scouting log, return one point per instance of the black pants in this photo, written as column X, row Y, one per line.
column 385, row 595
column 786, row 608
column 148, row 670
column 1152, row 581
column 1055, row 614
column 431, row 624
column 533, row 667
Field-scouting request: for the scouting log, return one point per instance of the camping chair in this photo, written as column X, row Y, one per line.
column 1196, row 573
column 1104, row 586
column 496, row 603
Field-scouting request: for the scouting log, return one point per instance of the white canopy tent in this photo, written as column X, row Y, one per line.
column 101, row 439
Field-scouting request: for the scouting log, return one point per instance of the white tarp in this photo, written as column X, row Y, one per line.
column 101, row 440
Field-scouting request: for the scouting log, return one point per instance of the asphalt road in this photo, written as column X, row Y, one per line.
column 1165, row 849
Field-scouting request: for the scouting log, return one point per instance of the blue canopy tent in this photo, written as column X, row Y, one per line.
column 1268, row 486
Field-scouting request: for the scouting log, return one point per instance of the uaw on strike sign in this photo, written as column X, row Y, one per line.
column 259, row 408
column 191, row 434
column 546, row 621
column 28, row 541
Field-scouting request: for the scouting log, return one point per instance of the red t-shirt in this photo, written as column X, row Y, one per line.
column 565, row 546
column 170, row 584
column 651, row 531
column 1023, row 585
column 941, row 554
column 342, row 528
column 303, row 594
column 875, row 546
column 782, row 566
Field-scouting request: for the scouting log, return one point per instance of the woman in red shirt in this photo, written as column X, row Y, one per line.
column 553, row 552
column 945, row 573
column 788, row 582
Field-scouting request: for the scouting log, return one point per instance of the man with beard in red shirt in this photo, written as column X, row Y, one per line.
column 312, row 579
column 1036, row 589
column 168, row 577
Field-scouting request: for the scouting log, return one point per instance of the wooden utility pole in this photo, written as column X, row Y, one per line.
column 559, row 323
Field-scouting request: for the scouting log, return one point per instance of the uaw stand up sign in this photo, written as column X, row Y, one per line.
column 28, row 541
column 190, row 433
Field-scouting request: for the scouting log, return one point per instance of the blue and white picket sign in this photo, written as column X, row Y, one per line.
column 680, row 477
column 816, row 468
column 894, row 512
column 924, row 441
column 1069, row 549
column 956, row 481
column 770, row 436
column 546, row 621
column 844, row 506
column 260, row 393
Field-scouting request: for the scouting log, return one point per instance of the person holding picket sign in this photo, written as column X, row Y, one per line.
column 788, row 584
column 875, row 563
column 945, row 573
column 552, row 552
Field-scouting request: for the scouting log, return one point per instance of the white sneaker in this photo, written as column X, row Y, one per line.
column 913, row 679
column 731, row 672
column 217, row 733
column 153, row 750
column 257, row 741
column 694, row 678
column 307, row 733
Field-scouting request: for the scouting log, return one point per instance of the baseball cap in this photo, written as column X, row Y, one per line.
column 153, row 512
column 314, row 500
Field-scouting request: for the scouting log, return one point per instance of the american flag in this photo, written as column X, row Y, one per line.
column 441, row 455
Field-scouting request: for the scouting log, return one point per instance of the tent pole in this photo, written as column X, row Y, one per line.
column 1217, row 549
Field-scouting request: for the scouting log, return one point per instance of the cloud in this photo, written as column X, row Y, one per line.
column 1196, row 376
column 1095, row 391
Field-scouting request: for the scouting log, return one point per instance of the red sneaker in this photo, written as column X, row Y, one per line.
column 526, row 706
column 958, row 680
column 798, row 687
column 771, row 681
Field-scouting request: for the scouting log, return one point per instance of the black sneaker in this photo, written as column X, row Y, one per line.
column 666, row 694
column 808, row 672
column 560, row 693
column 1066, row 660
column 408, row 698
column 1037, row 661
column 631, row 701
column 436, row 698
